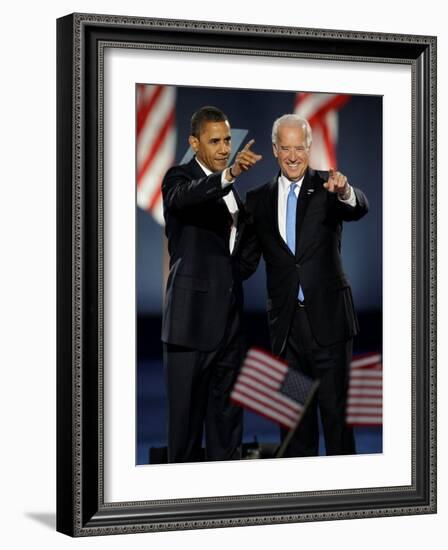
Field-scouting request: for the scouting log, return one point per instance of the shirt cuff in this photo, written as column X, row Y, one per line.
column 351, row 200
column 224, row 182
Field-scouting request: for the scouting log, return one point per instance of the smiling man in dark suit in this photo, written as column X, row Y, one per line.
column 201, row 330
column 297, row 225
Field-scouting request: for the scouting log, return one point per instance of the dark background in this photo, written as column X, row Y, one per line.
column 359, row 154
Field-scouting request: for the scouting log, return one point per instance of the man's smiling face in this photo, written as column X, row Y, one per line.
column 291, row 151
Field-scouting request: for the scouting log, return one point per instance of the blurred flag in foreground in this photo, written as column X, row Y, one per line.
column 321, row 111
column 266, row 385
column 365, row 391
column 156, row 144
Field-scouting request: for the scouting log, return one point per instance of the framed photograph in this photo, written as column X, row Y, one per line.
column 346, row 132
column 380, row 96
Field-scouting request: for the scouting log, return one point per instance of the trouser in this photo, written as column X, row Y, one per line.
column 330, row 365
column 198, row 387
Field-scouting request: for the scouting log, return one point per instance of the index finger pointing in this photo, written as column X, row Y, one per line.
column 248, row 145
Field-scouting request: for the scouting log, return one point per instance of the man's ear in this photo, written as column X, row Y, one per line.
column 194, row 143
column 274, row 150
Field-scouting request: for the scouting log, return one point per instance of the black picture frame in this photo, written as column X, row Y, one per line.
column 81, row 509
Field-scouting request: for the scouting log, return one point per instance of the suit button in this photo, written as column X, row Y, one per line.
column 298, row 265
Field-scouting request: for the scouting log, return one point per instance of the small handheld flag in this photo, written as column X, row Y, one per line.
column 268, row 386
column 365, row 391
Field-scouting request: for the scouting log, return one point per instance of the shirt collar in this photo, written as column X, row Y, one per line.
column 284, row 183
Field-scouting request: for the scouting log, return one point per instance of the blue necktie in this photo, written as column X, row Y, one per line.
column 291, row 211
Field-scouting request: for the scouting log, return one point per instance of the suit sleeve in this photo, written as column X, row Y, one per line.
column 353, row 213
column 180, row 191
column 250, row 249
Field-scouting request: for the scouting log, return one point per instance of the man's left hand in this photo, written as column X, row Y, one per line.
column 244, row 161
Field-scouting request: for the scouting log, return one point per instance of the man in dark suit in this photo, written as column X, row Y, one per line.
column 201, row 330
column 297, row 226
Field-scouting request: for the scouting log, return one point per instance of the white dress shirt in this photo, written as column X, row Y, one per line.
column 283, row 190
column 231, row 204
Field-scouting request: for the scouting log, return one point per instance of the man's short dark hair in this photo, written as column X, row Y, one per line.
column 203, row 115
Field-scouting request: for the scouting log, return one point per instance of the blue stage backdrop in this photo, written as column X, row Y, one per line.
column 359, row 157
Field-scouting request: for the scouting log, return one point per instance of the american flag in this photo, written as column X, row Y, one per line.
column 321, row 111
column 365, row 391
column 266, row 385
column 156, row 144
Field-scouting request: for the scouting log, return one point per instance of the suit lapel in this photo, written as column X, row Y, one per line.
column 273, row 212
column 239, row 202
column 196, row 169
column 198, row 172
column 241, row 218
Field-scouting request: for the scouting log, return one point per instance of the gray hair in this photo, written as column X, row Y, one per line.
column 295, row 121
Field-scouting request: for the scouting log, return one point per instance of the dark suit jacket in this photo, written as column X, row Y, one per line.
column 203, row 274
column 316, row 266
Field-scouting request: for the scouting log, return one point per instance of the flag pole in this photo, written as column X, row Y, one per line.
column 287, row 440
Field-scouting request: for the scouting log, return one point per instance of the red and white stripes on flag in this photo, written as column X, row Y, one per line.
column 156, row 144
column 258, row 388
column 321, row 111
column 365, row 391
